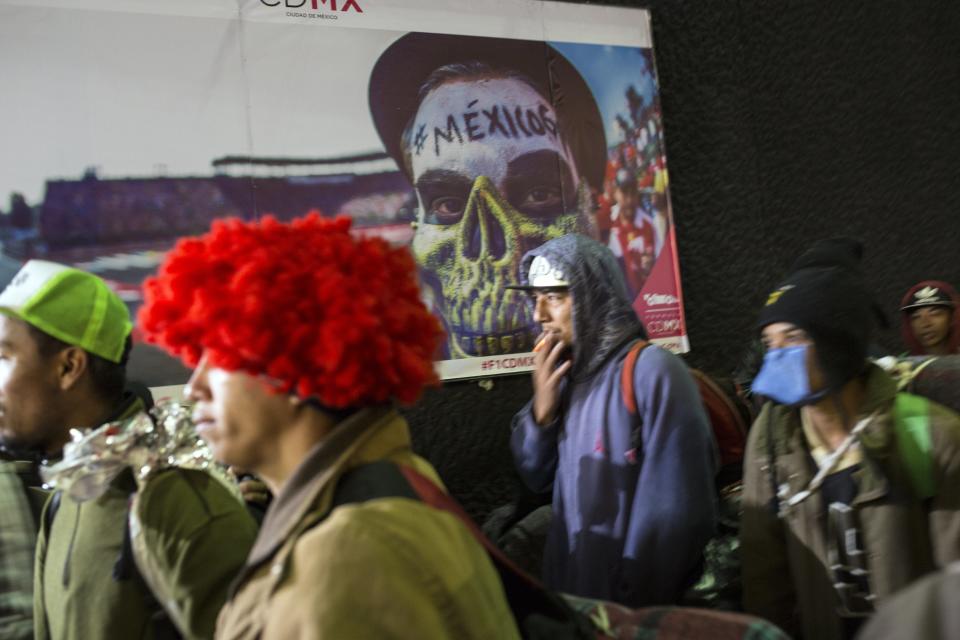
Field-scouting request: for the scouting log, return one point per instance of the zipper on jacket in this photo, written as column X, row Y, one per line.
column 73, row 537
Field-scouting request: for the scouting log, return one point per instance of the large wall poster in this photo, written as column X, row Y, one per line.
column 471, row 133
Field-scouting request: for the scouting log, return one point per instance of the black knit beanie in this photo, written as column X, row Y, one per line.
column 826, row 295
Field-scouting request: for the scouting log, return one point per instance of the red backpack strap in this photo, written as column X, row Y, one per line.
column 431, row 494
column 534, row 607
column 626, row 376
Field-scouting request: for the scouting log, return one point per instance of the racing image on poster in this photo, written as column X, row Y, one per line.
column 470, row 141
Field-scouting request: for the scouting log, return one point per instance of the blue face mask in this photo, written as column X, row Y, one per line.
column 784, row 377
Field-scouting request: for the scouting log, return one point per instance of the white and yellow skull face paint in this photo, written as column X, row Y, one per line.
column 494, row 179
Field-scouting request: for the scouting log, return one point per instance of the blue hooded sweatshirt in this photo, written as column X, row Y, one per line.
column 633, row 496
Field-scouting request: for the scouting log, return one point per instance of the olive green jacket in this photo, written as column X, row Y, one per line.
column 20, row 506
column 385, row 568
column 189, row 539
column 785, row 573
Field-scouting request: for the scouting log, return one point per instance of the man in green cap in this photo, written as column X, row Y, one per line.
column 64, row 343
column 46, row 387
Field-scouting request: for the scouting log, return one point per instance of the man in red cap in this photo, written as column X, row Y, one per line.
column 303, row 340
column 931, row 324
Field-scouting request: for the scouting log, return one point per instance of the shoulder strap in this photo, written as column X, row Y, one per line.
column 626, row 376
column 434, row 496
column 912, row 423
column 380, row 479
column 383, row 479
column 534, row 607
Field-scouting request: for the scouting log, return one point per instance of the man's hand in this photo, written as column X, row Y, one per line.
column 547, row 377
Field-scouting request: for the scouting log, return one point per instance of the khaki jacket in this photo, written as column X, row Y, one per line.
column 785, row 559
column 385, row 568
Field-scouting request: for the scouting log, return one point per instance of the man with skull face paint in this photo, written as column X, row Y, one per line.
column 633, row 491
column 503, row 143
column 850, row 488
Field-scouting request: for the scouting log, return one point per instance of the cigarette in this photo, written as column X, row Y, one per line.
column 539, row 344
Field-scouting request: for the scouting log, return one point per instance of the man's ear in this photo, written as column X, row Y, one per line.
column 72, row 363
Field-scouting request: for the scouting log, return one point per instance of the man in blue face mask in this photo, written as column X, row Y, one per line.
column 851, row 490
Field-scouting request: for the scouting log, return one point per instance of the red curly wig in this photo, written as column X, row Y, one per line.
column 323, row 314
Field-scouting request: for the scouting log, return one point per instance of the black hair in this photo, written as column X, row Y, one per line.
column 108, row 378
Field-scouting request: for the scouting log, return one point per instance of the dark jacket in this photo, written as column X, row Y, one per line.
column 785, row 559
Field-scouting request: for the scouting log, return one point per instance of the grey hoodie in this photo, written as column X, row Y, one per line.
column 603, row 319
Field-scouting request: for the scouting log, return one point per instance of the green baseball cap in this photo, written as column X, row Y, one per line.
column 71, row 305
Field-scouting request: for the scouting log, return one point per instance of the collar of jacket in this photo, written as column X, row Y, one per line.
column 877, row 440
column 367, row 435
column 130, row 405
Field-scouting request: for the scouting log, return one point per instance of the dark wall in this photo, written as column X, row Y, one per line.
column 791, row 121
column 785, row 122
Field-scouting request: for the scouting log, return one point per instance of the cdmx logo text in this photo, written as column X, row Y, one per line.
column 347, row 5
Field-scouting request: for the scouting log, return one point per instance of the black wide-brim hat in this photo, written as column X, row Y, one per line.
column 404, row 66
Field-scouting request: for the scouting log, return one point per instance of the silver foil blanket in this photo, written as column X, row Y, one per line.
column 146, row 444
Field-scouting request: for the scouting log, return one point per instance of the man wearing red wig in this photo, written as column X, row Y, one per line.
column 303, row 338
